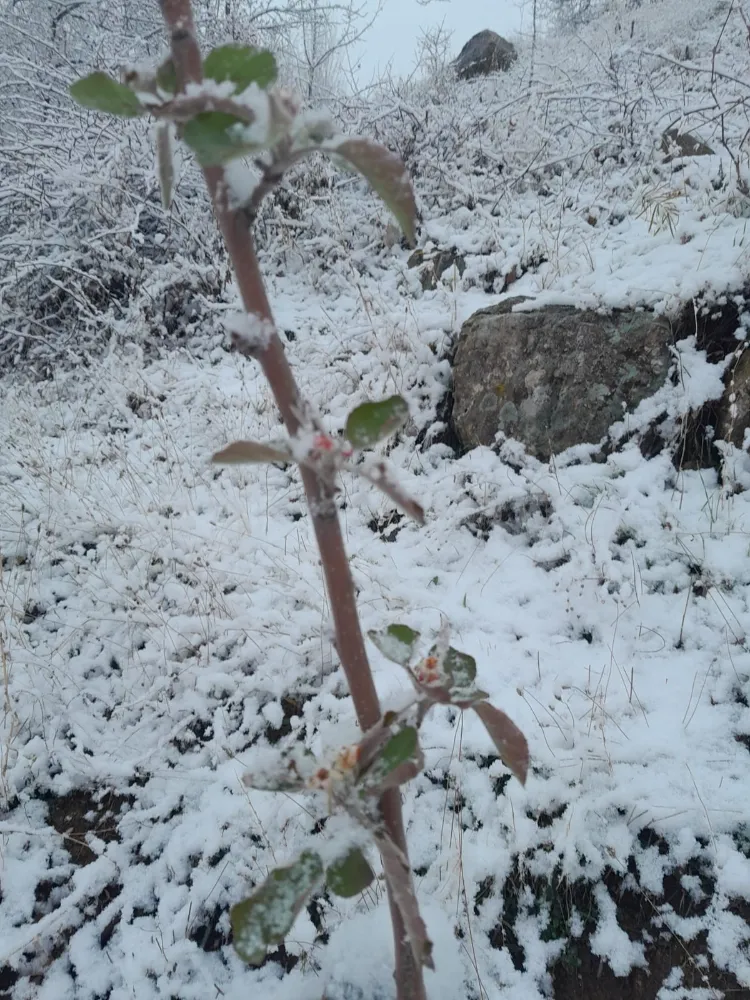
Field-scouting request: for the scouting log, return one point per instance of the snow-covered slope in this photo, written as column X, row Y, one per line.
column 165, row 620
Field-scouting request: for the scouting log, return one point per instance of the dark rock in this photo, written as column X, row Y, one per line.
column 675, row 144
column 555, row 377
column 445, row 260
column 487, row 52
column 434, row 266
column 734, row 408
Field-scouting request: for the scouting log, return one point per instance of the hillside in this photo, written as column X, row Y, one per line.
column 165, row 620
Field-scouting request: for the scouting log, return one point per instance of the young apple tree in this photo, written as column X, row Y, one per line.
column 226, row 107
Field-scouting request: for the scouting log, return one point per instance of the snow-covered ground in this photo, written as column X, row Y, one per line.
column 165, row 619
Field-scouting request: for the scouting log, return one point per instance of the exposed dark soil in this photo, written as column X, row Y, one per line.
column 577, row 974
column 583, row 974
column 85, row 812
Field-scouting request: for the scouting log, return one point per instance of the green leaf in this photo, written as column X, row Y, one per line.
column 242, row 64
column 371, row 422
column 214, row 138
column 510, row 742
column 267, row 916
column 396, row 642
column 101, row 93
column 166, row 77
column 351, row 875
column 243, row 452
column 402, row 746
column 388, row 760
column 397, row 756
column 388, row 177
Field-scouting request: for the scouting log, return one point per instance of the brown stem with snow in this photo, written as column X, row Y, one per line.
column 272, row 359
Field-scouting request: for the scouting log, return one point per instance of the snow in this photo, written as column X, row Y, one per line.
column 241, row 182
column 610, row 940
column 258, row 102
column 166, row 627
column 253, row 332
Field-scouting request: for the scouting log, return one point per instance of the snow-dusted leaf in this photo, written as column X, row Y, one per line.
column 371, row 422
column 266, row 917
column 461, row 668
column 460, row 671
column 379, row 475
column 243, row 452
column 396, row 643
column 351, row 875
column 397, row 760
column 100, row 92
column 388, row 177
column 375, row 739
column 510, row 742
column 242, row 64
column 165, row 162
column 217, row 137
column 399, row 881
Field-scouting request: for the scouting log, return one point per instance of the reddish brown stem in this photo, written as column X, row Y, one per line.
column 272, row 358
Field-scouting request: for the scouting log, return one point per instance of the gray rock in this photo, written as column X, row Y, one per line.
column 555, row 377
column 487, row 52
